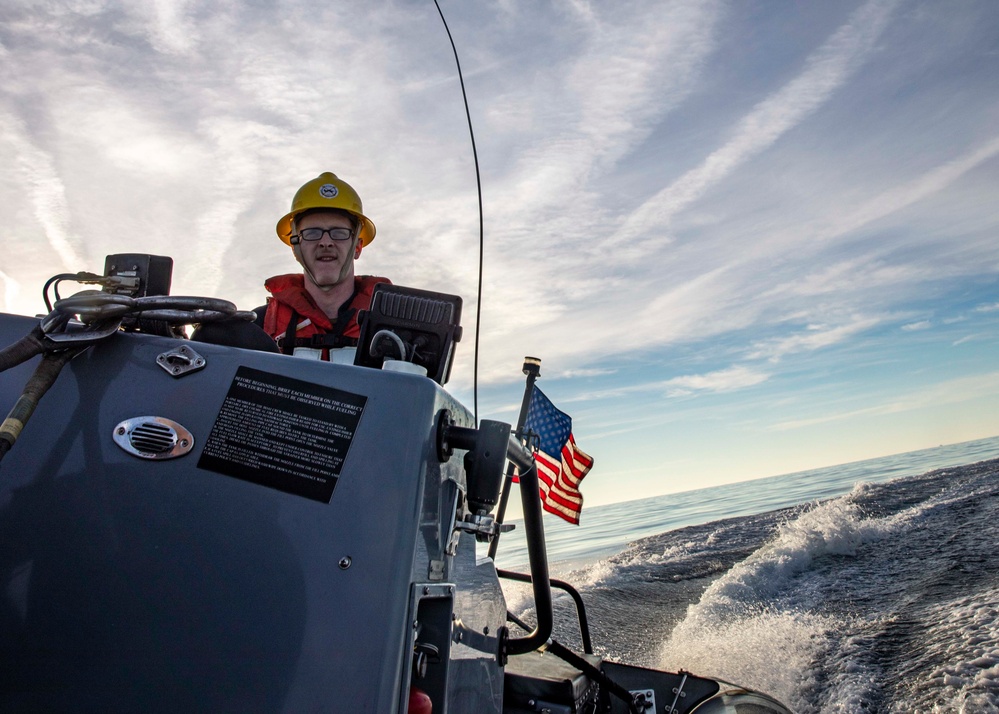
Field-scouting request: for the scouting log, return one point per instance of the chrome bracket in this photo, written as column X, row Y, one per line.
column 680, row 694
column 484, row 527
column 180, row 361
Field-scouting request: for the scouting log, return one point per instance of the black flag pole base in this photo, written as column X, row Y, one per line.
column 532, row 370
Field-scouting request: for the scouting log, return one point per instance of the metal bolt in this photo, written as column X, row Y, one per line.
column 121, row 431
column 426, row 589
column 184, row 442
column 345, row 562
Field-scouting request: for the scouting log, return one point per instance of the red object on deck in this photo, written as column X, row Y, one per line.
column 419, row 702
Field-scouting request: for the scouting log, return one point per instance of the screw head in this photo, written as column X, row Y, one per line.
column 345, row 562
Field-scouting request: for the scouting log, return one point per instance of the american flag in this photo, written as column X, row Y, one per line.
column 561, row 464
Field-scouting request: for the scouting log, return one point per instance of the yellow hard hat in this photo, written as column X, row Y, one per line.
column 326, row 191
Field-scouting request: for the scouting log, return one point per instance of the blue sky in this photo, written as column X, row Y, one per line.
column 745, row 238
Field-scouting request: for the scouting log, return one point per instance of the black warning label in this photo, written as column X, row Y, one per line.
column 283, row 433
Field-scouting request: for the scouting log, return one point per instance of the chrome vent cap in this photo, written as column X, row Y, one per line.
column 153, row 437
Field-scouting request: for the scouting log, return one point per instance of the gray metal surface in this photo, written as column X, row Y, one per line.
column 133, row 585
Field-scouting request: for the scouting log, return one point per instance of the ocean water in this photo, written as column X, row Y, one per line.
column 866, row 587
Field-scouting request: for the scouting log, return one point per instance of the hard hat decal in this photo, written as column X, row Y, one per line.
column 328, row 190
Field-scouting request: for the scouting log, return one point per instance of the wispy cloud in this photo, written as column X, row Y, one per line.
column 633, row 66
column 11, row 288
column 578, row 373
column 729, row 379
column 908, row 193
column 951, row 391
column 36, row 170
column 825, row 71
column 814, row 337
column 724, row 380
column 808, row 178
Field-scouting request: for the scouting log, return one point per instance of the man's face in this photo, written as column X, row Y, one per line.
column 331, row 262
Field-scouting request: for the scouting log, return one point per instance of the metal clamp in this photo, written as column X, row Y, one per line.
column 483, row 526
column 644, row 699
column 180, row 361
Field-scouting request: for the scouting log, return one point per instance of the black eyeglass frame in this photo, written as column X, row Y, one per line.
column 318, row 233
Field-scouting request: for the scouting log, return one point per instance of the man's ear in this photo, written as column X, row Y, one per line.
column 357, row 250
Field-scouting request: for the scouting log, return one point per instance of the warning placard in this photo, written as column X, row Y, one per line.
column 283, row 433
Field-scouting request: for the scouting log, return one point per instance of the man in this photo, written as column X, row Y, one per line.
column 313, row 314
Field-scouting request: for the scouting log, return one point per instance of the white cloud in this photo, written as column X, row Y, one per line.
column 11, row 288
column 577, row 120
column 579, row 373
column 171, row 30
column 826, row 70
column 953, row 391
column 813, row 338
column 915, row 326
column 724, row 380
column 36, row 172
column 908, row 193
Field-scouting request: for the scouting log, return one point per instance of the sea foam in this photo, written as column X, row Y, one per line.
column 752, row 627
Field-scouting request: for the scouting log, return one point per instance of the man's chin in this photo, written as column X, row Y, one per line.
column 326, row 276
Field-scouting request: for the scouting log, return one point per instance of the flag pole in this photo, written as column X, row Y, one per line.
column 532, row 368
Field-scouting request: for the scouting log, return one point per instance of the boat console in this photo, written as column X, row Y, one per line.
column 188, row 526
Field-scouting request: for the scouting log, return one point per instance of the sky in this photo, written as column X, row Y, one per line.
column 744, row 238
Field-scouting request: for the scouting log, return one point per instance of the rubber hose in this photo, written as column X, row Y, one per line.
column 22, row 350
column 44, row 377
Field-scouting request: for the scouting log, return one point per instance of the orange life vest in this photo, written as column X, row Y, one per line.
column 294, row 320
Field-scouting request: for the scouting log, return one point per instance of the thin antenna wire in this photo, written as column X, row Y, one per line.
column 478, row 186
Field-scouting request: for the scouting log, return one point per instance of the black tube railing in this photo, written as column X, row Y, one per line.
column 537, row 554
column 584, row 625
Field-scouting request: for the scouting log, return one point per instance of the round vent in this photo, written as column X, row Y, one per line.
column 153, row 437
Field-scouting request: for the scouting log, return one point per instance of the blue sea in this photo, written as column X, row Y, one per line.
column 866, row 587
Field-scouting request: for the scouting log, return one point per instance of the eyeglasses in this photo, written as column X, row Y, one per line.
column 336, row 234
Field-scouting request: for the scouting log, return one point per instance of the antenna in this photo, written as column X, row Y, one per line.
column 478, row 186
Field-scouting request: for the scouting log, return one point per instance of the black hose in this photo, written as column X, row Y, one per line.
column 24, row 349
column 44, row 376
column 584, row 666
